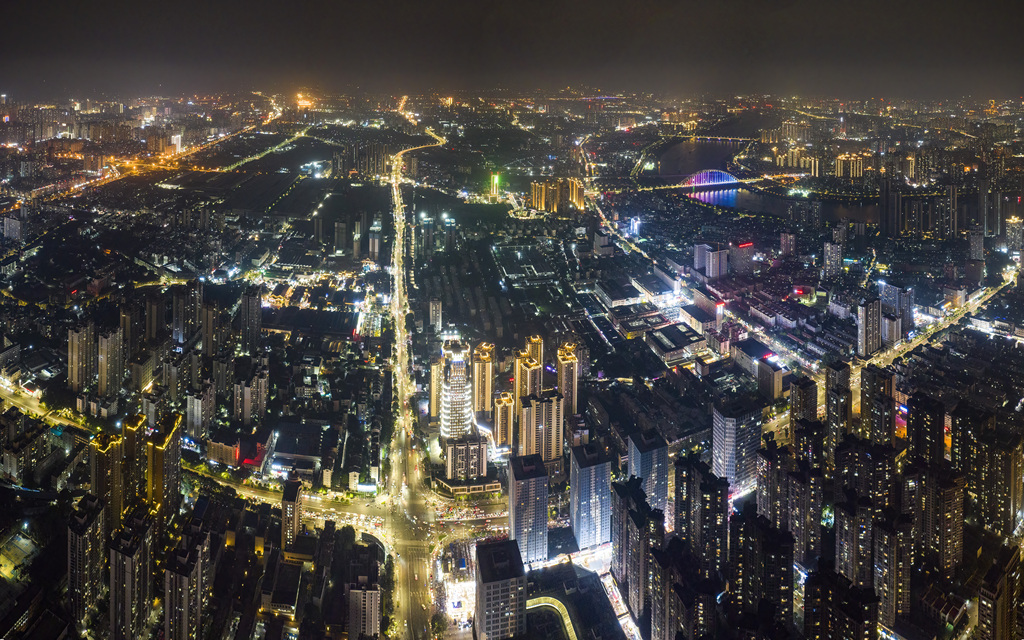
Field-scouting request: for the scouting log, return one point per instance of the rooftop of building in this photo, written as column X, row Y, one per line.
column 497, row 561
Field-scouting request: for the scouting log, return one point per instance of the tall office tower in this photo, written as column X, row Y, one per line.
column 741, row 258
column 702, row 513
column 976, row 242
column 717, row 264
column 787, row 244
column 250, row 313
column 483, row 378
column 199, row 410
column 944, row 517
column 636, row 530
column 833, row 261
column 185, row 304
column 1014, row 235
column 456, row 391
column 803, row 400
column 590, row 497
column 434, row 315
column 854, row 519
column 535, row 347
column 291, row 512
column 893, row 561
column 500, row 591
column 806, row 502
column 466, row 457
column 504, row 412
column 835, row 609
column 133, row 328
column 528, row 376
column 926, row 428
column 877, row 405
column 838, row 406
column 184, row 593
column 761, row 565
column 163, row 457
column 568, row 377
column 109, row 363
column 528, row 506
column 364, row 612
column 994, row 481
column 210, row 323
column 648, row 460
column 869, row 327
column 542, row 429
column 131, row 576
column 86, row 557
column 81, row 357
column 436, row 384
column 999, row 597
column 700, row 256
column 106, row 480
column 156, row 317
column 340, row 236
column 736, row 437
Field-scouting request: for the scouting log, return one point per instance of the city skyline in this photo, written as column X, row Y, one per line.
column 863, row 49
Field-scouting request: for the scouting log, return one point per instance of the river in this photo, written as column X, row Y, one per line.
column 686, row 158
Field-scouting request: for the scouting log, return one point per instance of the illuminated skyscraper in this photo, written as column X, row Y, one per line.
column 1014, row 235
column 251, row 316
column 803, row 400
column 999, row 597
column 838, row 408
column 291, row 512
column 926, row 428
column 483, row 378
column 648, row 460
column 131, row 577
column 736, row 437
column 535, row 347
column 456, row 392
column 528, row 506
column 86, row 557
column 500, row 591
column 163, row 456
column 590, row 496
column 833, row 261
column 81, row 357
column 504, row 420
column 893, row 561
column 568, row 377
column 184, row 593
column 542, row 428
column 109, row 363
column 877, row 406
column 435, row 315
column 186, row 302
column 436, row 384
column 528, row 376
column 869, row 329
column 106, row 469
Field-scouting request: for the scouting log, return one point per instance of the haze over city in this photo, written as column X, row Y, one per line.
column 534, row 320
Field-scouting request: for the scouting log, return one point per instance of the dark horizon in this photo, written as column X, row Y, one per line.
column 856, row 50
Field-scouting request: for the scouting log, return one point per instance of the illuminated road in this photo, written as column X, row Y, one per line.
column 411, row 514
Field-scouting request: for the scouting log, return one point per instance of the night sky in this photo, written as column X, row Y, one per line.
column 892, row 48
